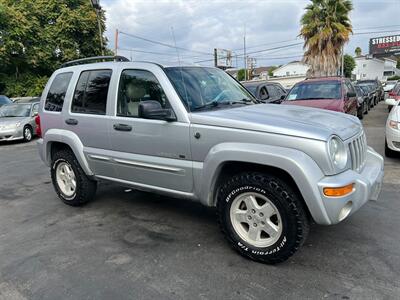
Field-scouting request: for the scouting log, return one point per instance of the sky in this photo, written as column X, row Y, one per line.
column 197, row 27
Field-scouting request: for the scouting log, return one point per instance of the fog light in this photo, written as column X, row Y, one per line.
column 345, row 211
column 338, row 191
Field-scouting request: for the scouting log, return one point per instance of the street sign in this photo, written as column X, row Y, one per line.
column 223, row 58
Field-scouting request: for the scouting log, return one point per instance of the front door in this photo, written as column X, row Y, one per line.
column 151, row 153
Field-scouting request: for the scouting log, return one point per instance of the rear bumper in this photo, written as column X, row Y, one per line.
column 367, row 186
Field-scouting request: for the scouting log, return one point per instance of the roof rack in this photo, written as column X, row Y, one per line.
column 94, row 58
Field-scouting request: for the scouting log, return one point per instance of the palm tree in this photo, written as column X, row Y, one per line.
column 358, row 51
column 326, row 27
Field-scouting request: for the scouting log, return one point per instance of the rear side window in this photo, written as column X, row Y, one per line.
column 91, row 92
column 55, row 96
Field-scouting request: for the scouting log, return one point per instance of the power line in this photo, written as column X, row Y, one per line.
column 161, row 43
column 372, row 32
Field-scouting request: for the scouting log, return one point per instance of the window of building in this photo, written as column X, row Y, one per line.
column 136, row 86
column 58, row 89
column 91, row 92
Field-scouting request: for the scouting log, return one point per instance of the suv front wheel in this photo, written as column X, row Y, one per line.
column 72, row 185
column 262, row 217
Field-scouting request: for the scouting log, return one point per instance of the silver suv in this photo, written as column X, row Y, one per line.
column 196, row 133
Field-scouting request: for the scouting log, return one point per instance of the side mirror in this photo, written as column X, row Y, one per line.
column 152, row 109
column 391, row 101
column 351, row 94
column 35, row 113
column 283, row 97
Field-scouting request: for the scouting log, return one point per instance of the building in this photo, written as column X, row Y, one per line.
column 295, row 68
column 368, row 67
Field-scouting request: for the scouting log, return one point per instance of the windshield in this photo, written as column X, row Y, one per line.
column 207, row 88
column 315, row 91
column 4, row 100
column 15, row 110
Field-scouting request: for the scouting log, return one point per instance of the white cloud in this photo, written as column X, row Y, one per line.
column 203, row 25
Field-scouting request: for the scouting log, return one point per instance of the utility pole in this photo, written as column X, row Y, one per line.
column 342, row 64
column 97, row 9
column 116, row 43
column 215, row 58
column 244, row 53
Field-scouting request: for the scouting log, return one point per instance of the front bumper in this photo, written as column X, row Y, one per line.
column 11, row 134
column 393, row 138
column 367, row 186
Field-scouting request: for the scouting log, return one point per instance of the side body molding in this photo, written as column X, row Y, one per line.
column 69, row 138
column 297, row 164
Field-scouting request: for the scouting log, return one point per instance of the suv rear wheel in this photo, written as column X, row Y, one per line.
column 72, row 185
column 261, row 217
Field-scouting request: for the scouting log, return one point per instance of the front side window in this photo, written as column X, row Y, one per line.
column 91, row 92
column 207, row 88
column 58, row 89
column 315, row 91
column 136, row 86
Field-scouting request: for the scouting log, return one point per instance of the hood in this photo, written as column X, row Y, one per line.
column 12, row 120
column 282, row 119
column 330, row 104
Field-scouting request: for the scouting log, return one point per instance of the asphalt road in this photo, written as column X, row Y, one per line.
column 134, row 245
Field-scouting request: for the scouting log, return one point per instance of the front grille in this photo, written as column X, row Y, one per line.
column 358, row 152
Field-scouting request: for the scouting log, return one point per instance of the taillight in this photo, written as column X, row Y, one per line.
column 38, row 128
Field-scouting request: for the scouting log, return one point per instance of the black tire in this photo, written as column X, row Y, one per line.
column 389, row 152
column 27, row 135
column 85, row 187
column 360, row 112
column 294, row 219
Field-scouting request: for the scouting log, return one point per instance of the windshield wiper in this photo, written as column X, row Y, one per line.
column 243, row 101
column 312, row 98
column 207, row 105
column 8, row 116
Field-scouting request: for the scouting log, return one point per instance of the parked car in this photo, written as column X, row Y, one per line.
column 4, row 100
column 394, row 94
column 389, row 85
column 362, row 102
column 332, row 93
column 392, row 140
column 17, row 121
column 267, row 92
column 376, row 87
column 196, row 133
column 370, row 91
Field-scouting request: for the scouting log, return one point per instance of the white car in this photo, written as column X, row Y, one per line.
column 392, row 144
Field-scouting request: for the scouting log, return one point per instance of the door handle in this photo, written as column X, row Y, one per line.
column 71, row 121
column 122, row 127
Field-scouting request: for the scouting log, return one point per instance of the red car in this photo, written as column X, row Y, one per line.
column 332, row 93
column 395, row 92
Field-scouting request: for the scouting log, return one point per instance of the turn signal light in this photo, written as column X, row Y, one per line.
column 338, row 191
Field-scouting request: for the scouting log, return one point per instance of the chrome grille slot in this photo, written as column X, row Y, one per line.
column 358, row 152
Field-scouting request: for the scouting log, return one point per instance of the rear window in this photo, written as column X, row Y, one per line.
column 315, row 91
column 58, row 89
column 91, row 92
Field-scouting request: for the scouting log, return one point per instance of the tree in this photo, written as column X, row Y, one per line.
column 358, row 51
column 349, row 65
column 271, row 70
column 36, row 37
column 325, row 28
column 240, row 75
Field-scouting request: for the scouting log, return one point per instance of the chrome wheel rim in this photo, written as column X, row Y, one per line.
column 28, row 134
column 256, row 219
column 66, row 180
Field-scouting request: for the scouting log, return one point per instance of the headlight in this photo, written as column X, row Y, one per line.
column 394, row 124
column 337, row 152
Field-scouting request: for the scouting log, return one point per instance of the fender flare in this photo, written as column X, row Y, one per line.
column 301, row 167
column 69, row 138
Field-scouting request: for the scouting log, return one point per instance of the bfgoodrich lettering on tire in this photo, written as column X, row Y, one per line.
column 72, row 185
column 262, row 217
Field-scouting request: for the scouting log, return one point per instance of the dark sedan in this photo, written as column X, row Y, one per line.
column 267, row 92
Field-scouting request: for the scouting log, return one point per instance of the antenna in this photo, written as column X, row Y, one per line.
column 180, row 66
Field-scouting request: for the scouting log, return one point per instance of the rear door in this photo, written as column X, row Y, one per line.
column 87, row 116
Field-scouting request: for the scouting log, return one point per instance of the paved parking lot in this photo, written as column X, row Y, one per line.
column 134, row 245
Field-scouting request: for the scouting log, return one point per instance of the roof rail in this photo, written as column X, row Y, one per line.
column 94, row 58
